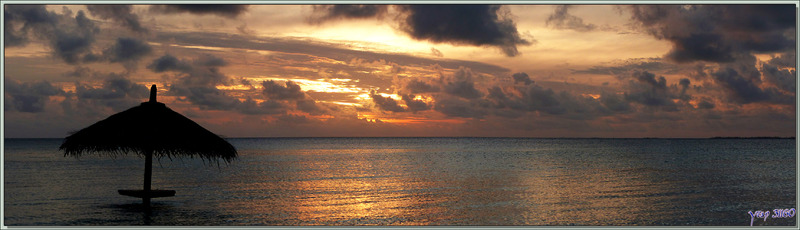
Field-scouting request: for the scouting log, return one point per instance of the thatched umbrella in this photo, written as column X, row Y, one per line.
column 150, row 129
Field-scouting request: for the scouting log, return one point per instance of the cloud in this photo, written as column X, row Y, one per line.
column 478, row 25
column 69, row 39
column 310, row 106
column 197, row 80
column 561, row 19
column 291, row 92
column 31, row 18
column 647, row 89
column 521, row 78
column 251, row 107
column 117, row 92
column 28, row 97
column 705, row 104
column 230, row 11
column 275, row 91
column 436, row 52
column 460, row 84
column 168, row 63
column 319, row 48
column 457, row 107
column 74, row 45
column 114, row 87
column 630, row 65
column 778, row 72
column 537, row 98
column 615, row 103
column 206, row 97
column 385, row 103
column 744, row 90
column 322, row 13
column 458, row 95
column 80, row 72
column 127, row 51
column 122, row 14
column 715, row 33
column 415, row 86
column 413, row 104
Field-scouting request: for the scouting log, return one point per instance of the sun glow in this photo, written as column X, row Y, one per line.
column 335, row 85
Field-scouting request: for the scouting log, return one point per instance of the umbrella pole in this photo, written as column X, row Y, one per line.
column 148, row 172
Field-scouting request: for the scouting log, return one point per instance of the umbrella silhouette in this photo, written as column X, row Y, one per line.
column 150, row 129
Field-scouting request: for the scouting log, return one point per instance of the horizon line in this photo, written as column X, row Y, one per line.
column 510, row 137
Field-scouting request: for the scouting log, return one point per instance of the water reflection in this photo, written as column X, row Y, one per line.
column 422, row 182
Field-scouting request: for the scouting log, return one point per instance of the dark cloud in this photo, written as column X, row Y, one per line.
column 540, row 99
column 292, row 92
column 30, row 19
column 521, row 78
column 74, row 45
column 457, row 107
column 117, row 92
column 168, row 63
column 647, row 89
column 114, row 87
column 273, row 90
column 251, row 107
column 561, row 19
column 705, row 104
column 705, row 47
column 324, row 13
column 778, row 72
column 615, row 103
column 497, row 97
column 207, row 97
column 436, row 52
column 203, row 71
column 718, row 33
column 517, row 100
column 385, row 103
column 415, row 86
column 309, row 106
column 647, row 64
column 80, row 72
column 69, row 39
column 461, row 84
column 197, row 80
column 684, row 85
column 685, row 82
column 230, row 11
column 128, row 51
column 478, row 25
column 292, row 119
column 459, row 97
column 122, row 14
column 29, row 97
column 744, row 90
column 414, row 105
column 318, row 48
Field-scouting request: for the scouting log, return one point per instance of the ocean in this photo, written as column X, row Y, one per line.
column 416, row 181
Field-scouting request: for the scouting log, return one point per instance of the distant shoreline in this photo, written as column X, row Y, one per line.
column 752, row 138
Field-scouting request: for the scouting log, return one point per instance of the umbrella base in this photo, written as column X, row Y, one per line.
column 151, row 194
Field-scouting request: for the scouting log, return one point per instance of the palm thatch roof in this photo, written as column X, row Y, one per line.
column 149, row 127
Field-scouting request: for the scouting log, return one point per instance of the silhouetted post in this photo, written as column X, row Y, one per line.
column 148, row 172
column 153, row 92
column 148, row 161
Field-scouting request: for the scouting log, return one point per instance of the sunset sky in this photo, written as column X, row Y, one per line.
column 408, row 70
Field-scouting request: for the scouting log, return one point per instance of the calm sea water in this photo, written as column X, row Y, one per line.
column 415, row 181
